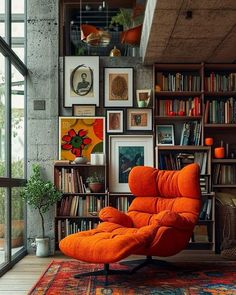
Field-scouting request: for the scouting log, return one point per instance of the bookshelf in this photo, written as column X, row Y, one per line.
column 79, row 206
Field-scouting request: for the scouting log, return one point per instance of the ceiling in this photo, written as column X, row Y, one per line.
column 169, row 35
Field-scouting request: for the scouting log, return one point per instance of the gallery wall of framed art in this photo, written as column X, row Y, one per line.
column 96, row 89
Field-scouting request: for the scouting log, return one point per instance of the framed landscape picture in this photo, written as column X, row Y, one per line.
column 139, row 119
column 81, row 136
column 126, row 152
column 165, row 135
column 115, row 120
column 81, row 80
column 118, row 87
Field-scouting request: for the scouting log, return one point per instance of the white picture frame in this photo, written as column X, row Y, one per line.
column 81, row 80
column 136, row 150
column 139, row 119
column 118, row 87
column 115, row 121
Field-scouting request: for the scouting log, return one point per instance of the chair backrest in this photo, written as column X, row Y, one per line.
column 158, row 190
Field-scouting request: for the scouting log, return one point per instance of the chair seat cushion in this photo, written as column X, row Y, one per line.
column 108, row 243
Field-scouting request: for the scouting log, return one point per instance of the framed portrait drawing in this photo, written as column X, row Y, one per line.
column 139, row 119
column 165, row 135
column 143, row 97
column 127, row 151
column 118, row 87
column 115, row 121
column 81, row 80
column 84, row 110
column 81, row 136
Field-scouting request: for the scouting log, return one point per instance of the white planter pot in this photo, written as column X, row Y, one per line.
column 42, row 247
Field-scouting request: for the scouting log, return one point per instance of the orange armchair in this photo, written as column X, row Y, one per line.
column 159, row 222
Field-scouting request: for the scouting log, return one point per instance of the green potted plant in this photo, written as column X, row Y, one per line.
column 40, row 195
column 95, row 183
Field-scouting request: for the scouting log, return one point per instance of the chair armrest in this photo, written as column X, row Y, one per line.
column 111, row 214
column 173, row 219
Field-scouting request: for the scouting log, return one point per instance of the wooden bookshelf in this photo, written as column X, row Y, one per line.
column 79, row 207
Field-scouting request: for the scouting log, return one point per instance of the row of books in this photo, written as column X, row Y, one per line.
column 191, row 133
column 190, row 106
column 206, row 211
column 66, row 227
column 70, row 181
column 178, row 81
column 220, row 82
column 220, row 111
column 81, row 206
column 123, row 203
column 205, row 184
column 224, row 174
column 176, row 161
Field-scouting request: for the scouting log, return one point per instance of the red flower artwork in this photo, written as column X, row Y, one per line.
column 76, row 142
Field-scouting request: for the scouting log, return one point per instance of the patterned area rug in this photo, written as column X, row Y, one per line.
column 179, row 279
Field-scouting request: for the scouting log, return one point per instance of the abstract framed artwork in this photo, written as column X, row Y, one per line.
column 88, row 110
column 139, row 119
column 127, row 151
column 81, row 136
column 115, row 121
column 118, row 87
column 165, row 135
column 81, row 80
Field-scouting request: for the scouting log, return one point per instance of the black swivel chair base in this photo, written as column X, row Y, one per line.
column 106, row 271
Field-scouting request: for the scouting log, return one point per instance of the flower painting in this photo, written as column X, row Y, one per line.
column 80, row 136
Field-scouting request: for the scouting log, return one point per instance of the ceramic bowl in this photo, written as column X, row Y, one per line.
column 80, row 160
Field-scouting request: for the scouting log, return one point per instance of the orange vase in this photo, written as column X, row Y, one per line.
column 219, row 152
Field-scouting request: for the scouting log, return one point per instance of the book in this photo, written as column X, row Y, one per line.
column 200, row 233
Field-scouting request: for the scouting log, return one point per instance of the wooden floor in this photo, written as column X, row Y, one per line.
column 24, row 274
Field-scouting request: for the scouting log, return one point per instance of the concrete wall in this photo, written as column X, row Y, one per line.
column 42, row 127
column 45, row 76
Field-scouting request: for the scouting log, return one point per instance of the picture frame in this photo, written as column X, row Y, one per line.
column 88, row 110
column 118, row 87
column 165, row 135
column 81, row 80
column 139, row 119
column 127, row 151
column 115, row 121
column 143, row 97
column 81, row 136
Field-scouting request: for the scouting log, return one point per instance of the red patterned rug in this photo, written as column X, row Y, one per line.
column 181, row 279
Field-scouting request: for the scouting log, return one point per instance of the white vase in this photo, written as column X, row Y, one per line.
column 42, row 247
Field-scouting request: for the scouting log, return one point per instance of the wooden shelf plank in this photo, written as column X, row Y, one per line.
column 178, row 93
column 220, row 125
column 177, row 118
column 224, row 185
column 182, row 148
column 218, row 94
column 223, row 161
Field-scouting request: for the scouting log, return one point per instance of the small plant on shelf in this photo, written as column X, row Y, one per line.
column 95, row 183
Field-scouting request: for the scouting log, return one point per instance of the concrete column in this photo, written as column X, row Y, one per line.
column 42, row 98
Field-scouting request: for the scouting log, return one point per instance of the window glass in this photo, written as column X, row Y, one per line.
column 17, row 228
column 3, row 229
column 2, row 6
column 18, row 29
column 2, row 117
column 17, row 124
column 18, row 6
column 2, row 29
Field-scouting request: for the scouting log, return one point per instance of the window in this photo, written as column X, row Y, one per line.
column 12, row 132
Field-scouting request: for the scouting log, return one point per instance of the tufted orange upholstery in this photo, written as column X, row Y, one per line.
column 159, row 221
